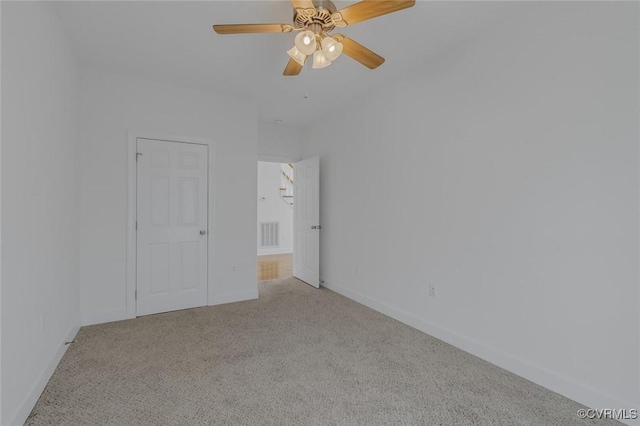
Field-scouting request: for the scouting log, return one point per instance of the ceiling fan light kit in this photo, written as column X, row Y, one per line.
column 319, row 60
column 306, row 42
column 331, row 48
column 314, row 20
column 297, row 55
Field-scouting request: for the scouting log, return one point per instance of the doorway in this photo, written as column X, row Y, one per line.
column 275, row 220
column 171, row 225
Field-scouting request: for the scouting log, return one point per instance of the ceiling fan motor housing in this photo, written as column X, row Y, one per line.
column 319, row 19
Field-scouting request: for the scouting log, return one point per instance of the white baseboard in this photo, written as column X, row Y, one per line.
column 556, row 382
column 103, row 316
column 266, row 252
column 32, row 397
column 240, row 296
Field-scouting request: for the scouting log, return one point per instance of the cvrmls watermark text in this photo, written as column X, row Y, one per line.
column 608, row 413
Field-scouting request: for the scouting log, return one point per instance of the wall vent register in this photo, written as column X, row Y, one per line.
column 269, row 232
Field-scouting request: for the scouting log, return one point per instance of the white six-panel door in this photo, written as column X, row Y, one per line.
column 172, row 234
column 306, row 221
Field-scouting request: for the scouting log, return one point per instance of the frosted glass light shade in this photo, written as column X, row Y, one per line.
column 297, row 55
column 319, row 60
column 306, row 42
column 331, row 48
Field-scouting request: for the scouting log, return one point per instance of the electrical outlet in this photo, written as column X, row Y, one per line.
column 433, row 290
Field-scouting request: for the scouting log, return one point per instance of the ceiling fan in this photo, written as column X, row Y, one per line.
column 314, row 20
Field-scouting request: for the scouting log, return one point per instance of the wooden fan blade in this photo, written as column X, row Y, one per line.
column 292, row 68
column 369, row 9
column 358, row 52
column 252, row 28
column 302, row 4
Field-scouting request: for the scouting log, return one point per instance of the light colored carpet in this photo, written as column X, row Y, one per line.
column 295, row 356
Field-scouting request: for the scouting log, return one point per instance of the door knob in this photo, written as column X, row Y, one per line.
column 203, row 232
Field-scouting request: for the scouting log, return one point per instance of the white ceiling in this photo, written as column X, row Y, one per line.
column 173, row 42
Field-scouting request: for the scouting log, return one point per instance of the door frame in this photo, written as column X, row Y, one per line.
column 132, row 210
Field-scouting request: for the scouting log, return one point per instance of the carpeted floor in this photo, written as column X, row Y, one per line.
column 296, row 356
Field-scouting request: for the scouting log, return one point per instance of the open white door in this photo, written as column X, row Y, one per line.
column 306, row 221
column 172, row 221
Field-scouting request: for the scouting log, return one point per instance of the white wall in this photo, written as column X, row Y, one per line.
column 111, row 104
column 279, row 142
column 506, row 174
column 40, row 201
column 272, row 208
column 0, row 223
